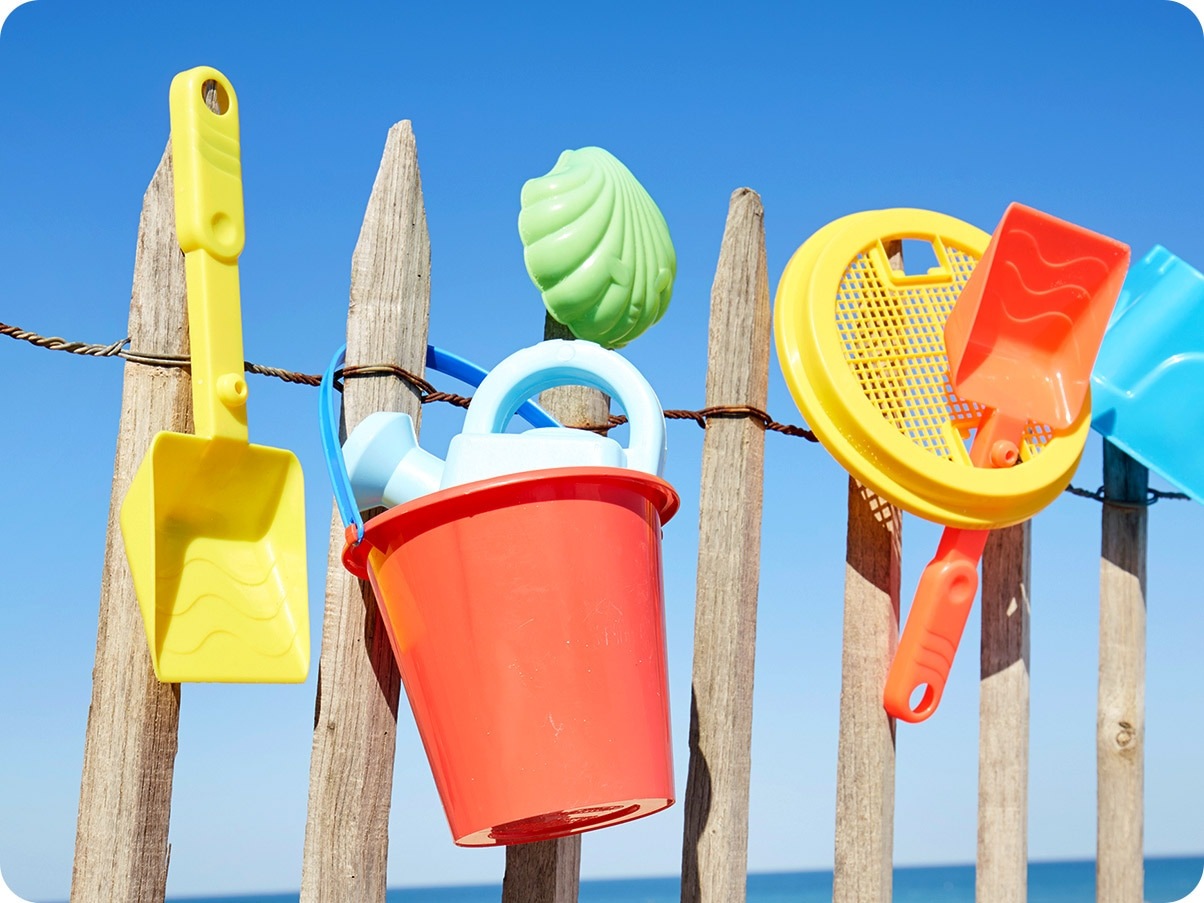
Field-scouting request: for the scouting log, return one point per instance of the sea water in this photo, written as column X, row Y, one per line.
column 1166, row 880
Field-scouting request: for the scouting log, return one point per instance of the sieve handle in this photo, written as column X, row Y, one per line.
column 935, row 625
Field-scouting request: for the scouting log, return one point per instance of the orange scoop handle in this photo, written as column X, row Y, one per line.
column 946, row 590
column 935, row 624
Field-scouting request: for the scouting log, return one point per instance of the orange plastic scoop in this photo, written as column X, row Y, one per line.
column 1025, row 331
column 1021, row 341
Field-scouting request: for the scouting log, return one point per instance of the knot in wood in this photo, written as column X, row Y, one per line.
column 1125, row 735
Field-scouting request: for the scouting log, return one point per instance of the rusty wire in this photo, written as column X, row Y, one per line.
column 1152, row 497
column 118, row 349
column 428, row 394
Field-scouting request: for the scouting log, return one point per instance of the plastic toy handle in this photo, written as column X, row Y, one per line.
column 332, row 451
column 935, row 625
column 443, row 361
column 561, row 362
column 336, row 467
column 946, row 589
column 207, row 175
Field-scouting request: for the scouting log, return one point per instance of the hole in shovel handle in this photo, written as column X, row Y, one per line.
column 215, row 96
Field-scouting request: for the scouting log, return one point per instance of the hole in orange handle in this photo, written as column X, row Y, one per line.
column 921, row 698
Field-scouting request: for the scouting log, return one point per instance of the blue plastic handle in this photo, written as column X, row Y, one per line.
column 559, row 362
column 438, row 360
column 467, row 372
column 336, row 467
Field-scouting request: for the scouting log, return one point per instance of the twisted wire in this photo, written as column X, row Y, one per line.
column 428, row 394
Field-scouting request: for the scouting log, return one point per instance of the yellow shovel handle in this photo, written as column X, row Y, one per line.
column 207, row 172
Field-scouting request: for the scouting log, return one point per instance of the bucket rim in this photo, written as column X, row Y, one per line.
column 653, row 488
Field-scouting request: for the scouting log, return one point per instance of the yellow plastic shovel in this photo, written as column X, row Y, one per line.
column 214, row 527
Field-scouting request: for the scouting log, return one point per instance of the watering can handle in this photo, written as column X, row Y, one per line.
column 438, row 360
column 561, row 362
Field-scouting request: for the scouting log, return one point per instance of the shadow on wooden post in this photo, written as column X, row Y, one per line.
column 1001, row 875
column 715, row 841
column 1120, row 723
column 121, row 849
column 355, row 721
column 865, row 759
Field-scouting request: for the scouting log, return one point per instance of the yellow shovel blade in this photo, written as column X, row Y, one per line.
column 214, row 531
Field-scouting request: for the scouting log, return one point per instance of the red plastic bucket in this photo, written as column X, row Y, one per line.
column 527, row 616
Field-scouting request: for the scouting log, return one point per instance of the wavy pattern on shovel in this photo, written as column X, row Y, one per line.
column 597, row 247
column 228, row 601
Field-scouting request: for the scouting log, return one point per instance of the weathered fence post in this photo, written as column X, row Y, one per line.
column 121, row 849
column 1001, row 875
column 865, row 760
column 715, row 841
column 1120, row 723
column 355, row 722
column 549, row 871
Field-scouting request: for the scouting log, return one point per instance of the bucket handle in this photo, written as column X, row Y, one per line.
column 437, row 359
column 560, row 362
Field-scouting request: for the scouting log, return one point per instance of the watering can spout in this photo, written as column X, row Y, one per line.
column 386, row 465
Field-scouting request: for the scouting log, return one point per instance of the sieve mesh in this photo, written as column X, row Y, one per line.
column 894, row 343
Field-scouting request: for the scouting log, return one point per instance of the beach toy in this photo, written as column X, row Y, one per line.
column 526, row 614
column 1021, row 341
column 1147, row 388
column 862, row 348
column 597, row 247
column 214, row 527
column 387, row 466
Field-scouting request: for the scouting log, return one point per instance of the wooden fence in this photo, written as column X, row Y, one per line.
column 121, row 843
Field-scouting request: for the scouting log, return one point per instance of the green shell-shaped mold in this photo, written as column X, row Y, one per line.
column 597, row 247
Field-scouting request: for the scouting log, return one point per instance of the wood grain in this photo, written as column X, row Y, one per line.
column 355, row 722
column 715, row 838
column 1001, row 875
column 547, row 871
column 865, row 759
column 121, row 847
column 1120, row 721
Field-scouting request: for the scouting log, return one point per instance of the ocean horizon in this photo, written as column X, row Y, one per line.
column 1167, row 879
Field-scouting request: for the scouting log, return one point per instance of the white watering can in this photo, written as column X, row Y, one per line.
column 387, row 466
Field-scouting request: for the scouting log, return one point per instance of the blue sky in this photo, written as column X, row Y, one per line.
column 1090, row 111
